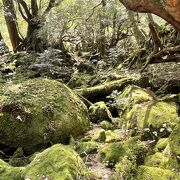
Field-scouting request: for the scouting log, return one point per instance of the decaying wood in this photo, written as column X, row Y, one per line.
column 104, row 89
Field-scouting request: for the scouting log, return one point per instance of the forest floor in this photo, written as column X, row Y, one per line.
column 93, row 161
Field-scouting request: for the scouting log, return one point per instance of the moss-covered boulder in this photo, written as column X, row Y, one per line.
column 85, row 148
column 99, row 112
column 106, row 125
column 140, row 108
column 161, row 144
column 174, row 144
column 133, row 95
column 110, row 136
column 154, row 173
column 8, row 172
column 56, row 162
column 156, row 117
column 157, row 160
column 40, row 111
column 130, row 96
column 113, row 153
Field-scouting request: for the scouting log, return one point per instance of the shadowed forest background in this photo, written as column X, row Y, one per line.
column 90, row 89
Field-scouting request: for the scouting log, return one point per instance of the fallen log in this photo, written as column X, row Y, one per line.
column 105, row 89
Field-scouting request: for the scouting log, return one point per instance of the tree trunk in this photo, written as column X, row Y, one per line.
column 10, row 17
column 102, row 39
column 140, row 38
column 33, row 41
column 170, row 12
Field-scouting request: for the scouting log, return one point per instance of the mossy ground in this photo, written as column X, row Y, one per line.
column 106, row 148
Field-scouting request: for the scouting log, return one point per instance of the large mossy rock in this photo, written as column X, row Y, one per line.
column 114, row 153
column 174, row 144
column 56, row 162
column 141, row 109
column 8, row 172
column 40, row 111
column 134, row 95
column 153, row 114
column 154, row 173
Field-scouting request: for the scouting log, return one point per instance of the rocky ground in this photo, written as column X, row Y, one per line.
column 111, row 125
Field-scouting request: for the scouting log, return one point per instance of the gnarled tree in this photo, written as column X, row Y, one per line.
column 30, row 13
column 169, row 10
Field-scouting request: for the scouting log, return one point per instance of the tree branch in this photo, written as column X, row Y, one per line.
column 151, row 6
column 25, row 7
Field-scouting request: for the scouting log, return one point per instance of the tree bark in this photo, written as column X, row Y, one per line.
column 104, row 89
column 140, row 38
column 10, row 18
column 170, row 11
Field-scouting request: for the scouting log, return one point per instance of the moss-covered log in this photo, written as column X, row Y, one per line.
column 104, row 89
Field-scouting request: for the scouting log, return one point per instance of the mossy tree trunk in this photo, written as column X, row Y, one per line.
column 35, row 21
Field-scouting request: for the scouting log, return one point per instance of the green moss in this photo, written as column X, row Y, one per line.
column 106, row 125
column 154, row 173
column 135, row 95
column 174, row 144
column 115, row 135
column 39, row 111
column 114, row 152
column 90, row 175
column 99, row 112
column 161, row 144
column 99, row 136
column 159, row 116
column 8, row 172
column 174, row 141
column 157, row 160
column 89, row 147
column 78, row 80
column 125, row 169
column 56, row 162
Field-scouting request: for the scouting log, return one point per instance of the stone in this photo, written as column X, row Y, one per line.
column 37, row 112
